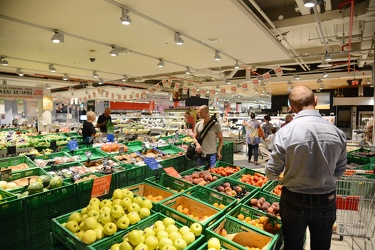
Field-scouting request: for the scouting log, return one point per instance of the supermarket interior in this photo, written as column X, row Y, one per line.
column 127, row 182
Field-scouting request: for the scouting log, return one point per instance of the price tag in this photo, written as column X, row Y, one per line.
column 73, row 145
column 152, row 163
column 101, row 186
column 76, row 176
column 88, row 154
column 6, row 174
column 172, row 172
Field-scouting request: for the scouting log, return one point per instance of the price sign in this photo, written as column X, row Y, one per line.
column 101, row 186
column 152, row 163
column 73, row 145
column 6, row 174
column 76, row 176
column 88, row 154
column 171, row 171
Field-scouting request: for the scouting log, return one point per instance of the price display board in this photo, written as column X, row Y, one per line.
column 101, row 186
column 171, row 171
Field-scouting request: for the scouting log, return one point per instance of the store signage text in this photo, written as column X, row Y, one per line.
column 21, row 92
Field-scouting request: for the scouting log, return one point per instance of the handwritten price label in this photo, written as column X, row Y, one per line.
column 101, row 186
column 171, row 171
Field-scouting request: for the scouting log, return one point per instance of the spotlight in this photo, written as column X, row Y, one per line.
column 52, row 68
column 327, row 57
column 95, row 75
column 296, row 76
column 321, row 87
column 236, row 66
column 290, row 82
column 47, row 86
column 161, row 63
column 4, row 82
column 100, row 81
column 325, row 74
column 65, row 77
column 58, row 37
column 319, row 81
column 217, row 56
column 309, row 3
column 188, row 71
column 114, row 51
column 4, row 62
column 125, row 19
column 217, row 86
column 19, row 72
column 125, row 78
column 227, row 81
column 123, row 89
column 177, row 38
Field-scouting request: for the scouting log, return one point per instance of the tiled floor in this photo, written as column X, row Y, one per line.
column 346, row 243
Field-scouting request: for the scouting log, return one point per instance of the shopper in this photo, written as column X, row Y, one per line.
column 88, row 130
column 208, row 149
column 104, row 121
column 312, row 154
column 271, row 140
column 288, row 118
column 252, row 138
column 267, row 126
column 189, row 121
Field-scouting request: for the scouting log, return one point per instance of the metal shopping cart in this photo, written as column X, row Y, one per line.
column 355, row 204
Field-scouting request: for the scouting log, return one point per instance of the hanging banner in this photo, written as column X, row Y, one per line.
column 143, row 93
column 151, row 90
column 233, row 89
column 176, row 86
column 203, row 92
column 89, row 97
column 185, row 90
column 193, row 92
column 47, row 103
column 85, row 98
column 164, row 82
column 212, row 91
column 113, row 95
column 278, row 71
column 223, row 90
column 8, row 91
column 136, row 96
column 125, row 97
column 168, row 84
column 106, row 94
column 266, row 76
column 255, row 81
column 94, row 94
column 157, row 87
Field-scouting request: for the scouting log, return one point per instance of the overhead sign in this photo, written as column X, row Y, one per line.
column 21, row 92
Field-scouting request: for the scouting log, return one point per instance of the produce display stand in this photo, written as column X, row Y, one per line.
column 95, row 153
column 171, row 183
column 361, row 156
column 13, row 161
column 247, row 171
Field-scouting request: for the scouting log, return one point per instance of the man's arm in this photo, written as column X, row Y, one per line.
column 221, row 143
column 276, row 164
column 195, row 139
column 101, row 121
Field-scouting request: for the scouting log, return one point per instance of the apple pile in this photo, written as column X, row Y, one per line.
column 104, row 218
column 262, row 223
column 261, row 204
column 163, row 234
column 256, row 179
column 200, row 178
column 225, row 171
column 232, row 190
column 186, row 211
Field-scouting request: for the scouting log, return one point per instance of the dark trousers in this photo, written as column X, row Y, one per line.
column 250, row 151
column 209, row 160
column 299, row 211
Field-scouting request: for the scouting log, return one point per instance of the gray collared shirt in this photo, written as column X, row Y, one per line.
column 313, row 153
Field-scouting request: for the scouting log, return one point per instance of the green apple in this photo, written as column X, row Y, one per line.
column 179, row 244
column 214, row 243
column 146, row 203
column 134, row 207
column 171, row 228
column 117, row 194
column 189, row 237
column 99, row 232
column 89, row 237
column 169, row 247
column 82, row 226
column 102, row 209
column 109, row 228
column 165, row 242
column 115, row 246
column 133, row 217
column 135, row 237
column 128, row 194
column 80, row 234
column 117, row 211
column 90, row 223
column 168, row 221
column 116, row 202
column 84, row 217
column 75, row 216
column 183, row 230
column 196, row 228
column 106, row 203
column 84, row 211
column 72, row 226
column 148, row 232
column 162, row 234
column 174, row 236
column 152, row 242
column 159, row 226
column 126, row 202
column 144, row 212
column 94, row 213
column 141, row 246
column 123, row 222
column 138, row 200
column 105, row 217
column 94, row 201
column 125, row 245
column 93, row 206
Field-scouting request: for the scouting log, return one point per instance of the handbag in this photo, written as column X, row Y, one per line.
column 191, row 152
column 260, row 132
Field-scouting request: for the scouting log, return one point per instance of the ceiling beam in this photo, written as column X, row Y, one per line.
column 304, row 11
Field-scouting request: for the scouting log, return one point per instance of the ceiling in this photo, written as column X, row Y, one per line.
column 259, row 35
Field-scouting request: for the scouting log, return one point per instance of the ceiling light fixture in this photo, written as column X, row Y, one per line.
column 52, row 68
column 19, row 72
column 236, row 66
column 296, row 76
column 114, row 51
column 319, row 81
column 123, row 89
column 125, row 78
column 95, row 75
column 47, row 86
column 290, row 82
column 177, row 38
column 188, row 71
column 161, row 63
column 325, row 74
column 227, row 81
column 4, row 62
column 4, row 82
column 217, row 56
column 217, row 86
column 65, row 77
column 327, row 57
column 100, row 81
column 58, row 37
column 125, row 19
column 309, row 3
column 321, row 87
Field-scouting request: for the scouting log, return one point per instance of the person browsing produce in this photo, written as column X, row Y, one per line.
column 104, row 120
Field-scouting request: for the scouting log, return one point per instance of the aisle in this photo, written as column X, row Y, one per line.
column 240, row 159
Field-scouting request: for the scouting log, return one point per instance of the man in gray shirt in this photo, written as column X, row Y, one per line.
column 312, row 154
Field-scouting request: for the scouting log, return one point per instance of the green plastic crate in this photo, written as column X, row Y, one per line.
column 62, row 166
column 129, row 175
column 96, row 153
column 179, row 163
column 270, row 186
column 237, row 176
column 268, row 197
column 41, row 240
column 227, row 152
column 223, row 164
column 169, row 208
column 355, row 157
column 171, row 183
column 170, row 149
column 134, row 145
column 12, row 161
column 52, row 156
column 232, row 225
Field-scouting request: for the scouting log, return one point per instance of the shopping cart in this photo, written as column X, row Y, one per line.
column 355, row 204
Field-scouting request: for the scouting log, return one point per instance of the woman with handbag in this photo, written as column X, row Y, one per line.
column 252, row 137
